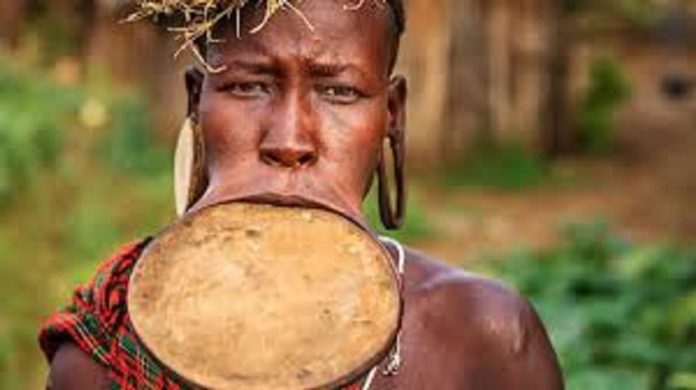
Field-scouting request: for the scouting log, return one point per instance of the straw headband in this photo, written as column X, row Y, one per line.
column 197, row 18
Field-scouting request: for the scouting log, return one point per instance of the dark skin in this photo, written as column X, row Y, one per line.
column 301, row 115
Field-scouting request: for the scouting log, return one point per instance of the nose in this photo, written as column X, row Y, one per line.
column 288, row 156
column 289, row 141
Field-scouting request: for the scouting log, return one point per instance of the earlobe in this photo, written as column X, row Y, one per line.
column 399, row 85
column 190, row 178
column 392, row 212
column 398, row 94
column 194, row 78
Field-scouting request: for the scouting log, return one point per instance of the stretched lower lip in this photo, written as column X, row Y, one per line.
column 282, row 200
column 327, row 200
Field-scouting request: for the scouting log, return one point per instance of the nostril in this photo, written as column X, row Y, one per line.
column 306, row 158
column 270, row 158
column 287, row 158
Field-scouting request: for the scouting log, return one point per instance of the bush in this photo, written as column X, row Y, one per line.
column 130, row 145
column 620, row 316
column 608, row 89
column 74, row 171
column 33, row 110
column 507, row 167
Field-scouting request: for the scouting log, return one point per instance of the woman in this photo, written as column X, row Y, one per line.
column 296, row 113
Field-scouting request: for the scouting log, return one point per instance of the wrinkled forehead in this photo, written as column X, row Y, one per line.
column 325, row 30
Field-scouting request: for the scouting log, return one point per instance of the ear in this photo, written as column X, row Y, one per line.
column 397, row 97
column 194, row 78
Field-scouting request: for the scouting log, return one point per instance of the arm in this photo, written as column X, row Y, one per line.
column 514, row 349
column 531, row 364
column 72, row 369
column 480, row 335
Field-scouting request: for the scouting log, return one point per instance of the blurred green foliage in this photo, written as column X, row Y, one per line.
column 620, row 316
column 640, row 13
column 32, row 112
column 607, row 90
column 505, row 167
column 69, row 193
column 129, row 145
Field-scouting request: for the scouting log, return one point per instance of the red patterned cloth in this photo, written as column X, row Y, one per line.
column 97, row 322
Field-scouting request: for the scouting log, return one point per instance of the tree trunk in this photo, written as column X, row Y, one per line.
column 465, row 125
column 425, row 61
column 530, row 45
column 499, row 49
column 12, row 21
column 558, row 135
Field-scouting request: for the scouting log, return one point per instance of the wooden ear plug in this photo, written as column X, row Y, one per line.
column 189, row 167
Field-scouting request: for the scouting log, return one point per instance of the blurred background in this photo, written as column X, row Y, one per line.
column 552, row 144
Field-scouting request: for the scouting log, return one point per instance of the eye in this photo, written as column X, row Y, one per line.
column 246, row 89
column 340, row 94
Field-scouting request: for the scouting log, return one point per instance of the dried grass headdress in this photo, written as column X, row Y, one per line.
column 198, row 17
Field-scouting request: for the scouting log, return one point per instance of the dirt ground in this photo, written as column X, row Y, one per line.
column 647, row 189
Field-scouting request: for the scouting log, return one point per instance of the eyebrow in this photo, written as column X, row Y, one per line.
column 332, row 70
column 266, row 66
column 254, row 66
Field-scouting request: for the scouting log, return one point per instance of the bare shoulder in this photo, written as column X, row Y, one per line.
column 431, row 284
column 471, row 315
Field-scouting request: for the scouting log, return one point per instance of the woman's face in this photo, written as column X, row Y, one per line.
column 299, row 113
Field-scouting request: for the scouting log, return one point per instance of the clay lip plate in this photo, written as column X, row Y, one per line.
column 249, row 296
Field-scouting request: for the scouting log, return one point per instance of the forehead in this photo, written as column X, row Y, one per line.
column 321, row 30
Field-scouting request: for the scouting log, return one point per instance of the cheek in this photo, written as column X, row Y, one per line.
column 354, row 137
column 228, row 131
